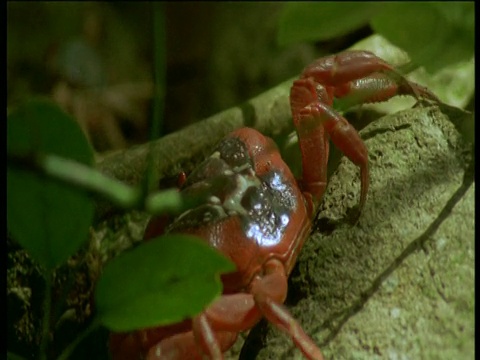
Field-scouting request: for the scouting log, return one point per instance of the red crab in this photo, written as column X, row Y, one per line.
column 259, row 216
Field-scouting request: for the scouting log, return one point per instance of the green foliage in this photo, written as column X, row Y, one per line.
column 49, row 212
column 310, row 21
column 12, row 356
column 434, row 34
column 157, row 128
column 50, row 219
column 163, row 281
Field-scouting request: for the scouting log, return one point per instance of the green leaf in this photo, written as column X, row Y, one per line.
column 48, row 218
column 313, row 21
column 435, row 35
column 163, row 281
column 13, row 356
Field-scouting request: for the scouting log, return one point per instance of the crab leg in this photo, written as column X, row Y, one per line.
column 278, row 315
column 336, row 70
column 377, row 88
column 345, row 138
column 269, row 293
column 358, row 77
column 312, row 139
column 184, row 346
column 205, row 336
column 216, row 328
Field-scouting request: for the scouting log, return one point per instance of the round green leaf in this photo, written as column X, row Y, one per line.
column 163, row 281
column 313, row 21
column 48, row 218
column 434, row 35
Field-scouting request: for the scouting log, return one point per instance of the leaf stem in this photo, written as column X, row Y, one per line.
column 69, row 349
column 87, row 178
column 47, row 302
column 80, row 175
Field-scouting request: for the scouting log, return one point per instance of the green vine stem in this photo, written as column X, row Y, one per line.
column 69, row 349
column 47, row 302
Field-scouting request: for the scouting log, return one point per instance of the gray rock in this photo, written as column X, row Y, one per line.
column 391, row 287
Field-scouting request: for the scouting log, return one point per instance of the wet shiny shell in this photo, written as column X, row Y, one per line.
column 228, row 180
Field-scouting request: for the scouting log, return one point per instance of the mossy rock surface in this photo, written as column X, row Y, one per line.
column 424, row 306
